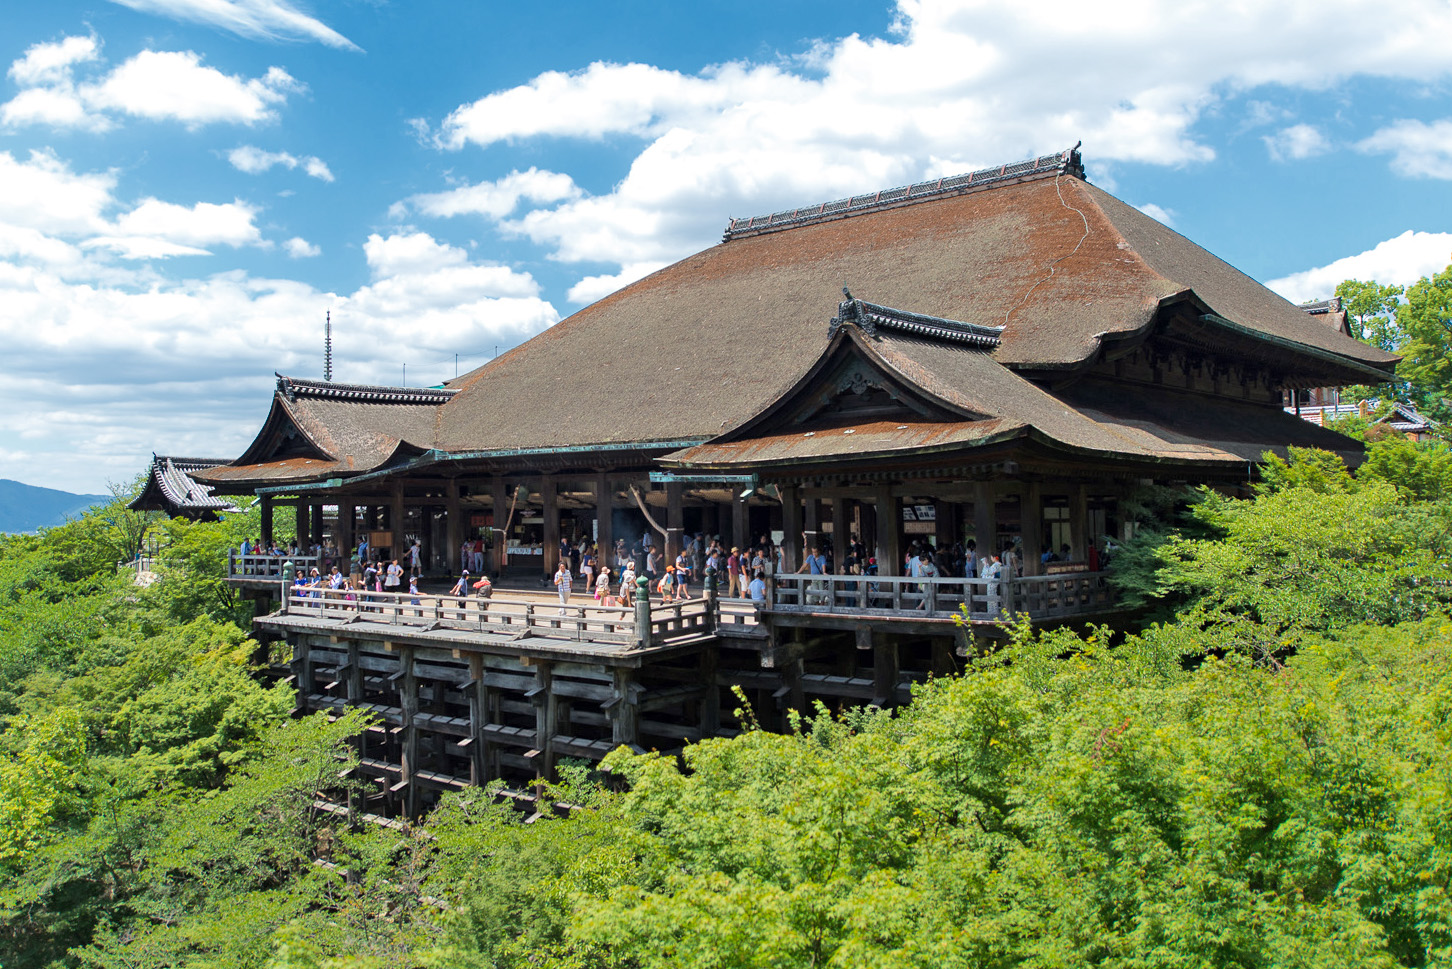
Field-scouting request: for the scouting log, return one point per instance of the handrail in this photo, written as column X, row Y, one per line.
column 1040, row 596
column 268, row 566
column 583, row 622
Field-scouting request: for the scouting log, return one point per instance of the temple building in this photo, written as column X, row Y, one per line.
column 170, row 488
column 1002, row 356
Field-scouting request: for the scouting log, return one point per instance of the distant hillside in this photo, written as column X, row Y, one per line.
column 24, row 508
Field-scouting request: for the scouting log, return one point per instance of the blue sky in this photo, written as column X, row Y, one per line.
column 187, row 186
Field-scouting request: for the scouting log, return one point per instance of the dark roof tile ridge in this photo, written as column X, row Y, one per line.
column 182, row 463
column 870, row 317
column 295, row 387
column 1066, row 162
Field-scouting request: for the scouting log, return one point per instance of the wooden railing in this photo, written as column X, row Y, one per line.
column 268, row 566
column 1040, row 596
column 583, row 622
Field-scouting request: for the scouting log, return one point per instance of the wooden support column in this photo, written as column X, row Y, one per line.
column 624, row 707
column 985, row 520
column 266, row 520
column 478, row 695
column 884, row 671
column 315, row 525
column 811, row 526
column 346, row 545
column 791, row 529
column 551, row 524
column 1031, row 514
column 604, row 514
column 711, row 699
column 1079, row 523
column 453, row 525
column 740, row 528
column 300, row 522
column 675, row 521
column 408, row 704
column 889, row 531
column 302, row 673
column 841, row 531
column 353, row 677
column 546, row 716
column 395, row 521
column 501, row 519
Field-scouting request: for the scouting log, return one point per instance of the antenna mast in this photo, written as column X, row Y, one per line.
column 328, row 347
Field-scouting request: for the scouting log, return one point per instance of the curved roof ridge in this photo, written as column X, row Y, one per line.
column 1066, row 162
column 294, row 387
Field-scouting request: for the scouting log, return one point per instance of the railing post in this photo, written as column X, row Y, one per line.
column 770, row 589
column 642, row 611
column 713, row 603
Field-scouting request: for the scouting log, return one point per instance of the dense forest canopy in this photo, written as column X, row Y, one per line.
column 1258, row 775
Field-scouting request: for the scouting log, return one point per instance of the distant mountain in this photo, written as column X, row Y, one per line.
column 25, row 508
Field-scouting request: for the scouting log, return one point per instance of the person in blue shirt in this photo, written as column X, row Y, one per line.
column 757, row 588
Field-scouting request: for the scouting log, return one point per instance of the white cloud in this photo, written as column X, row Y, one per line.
column 255, row 161
column 1403, row 259
column 261, row 19
column 1159, row 214
column 87, row 363
column 158, row 85
column 317, row 168
column 51, row 63
column 591, row 288
column 1296, row 142
column 42, row 193
column 202, row 224
column 498, row 198
column 175, row 86
column 1417, row 149
column 299, row 248
column 959, row 85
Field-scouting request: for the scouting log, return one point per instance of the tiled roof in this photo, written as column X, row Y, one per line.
column 171, row 488
column 1053, row 265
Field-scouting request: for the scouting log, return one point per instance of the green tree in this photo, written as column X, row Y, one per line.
column 1371, row 310
column 1426, row 319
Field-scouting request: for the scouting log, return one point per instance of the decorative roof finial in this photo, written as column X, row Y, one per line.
column 328, row 347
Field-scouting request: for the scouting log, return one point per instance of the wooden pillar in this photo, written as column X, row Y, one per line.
column 604, row 514
column 889, row 531
column 985, row 520
column 740, row 527
column 315, row 524
column 711, row 699
column 811, row 526
column 478, row 695
column 884, row 671
column 346, row 545
column 624, row 708
column 1079, row 523
column 546, row 713
column 408, row 703
column 266, row 520
column 453, row 525
column 501, row 519
column 791, row 529
column 675, row 521
column 300, row 522
column 551, row 524
column 395, row 520
column 1031, row 513
column 841, row 531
